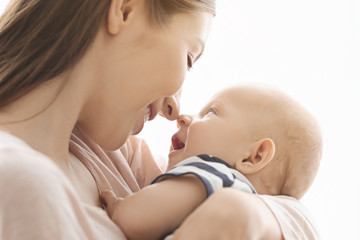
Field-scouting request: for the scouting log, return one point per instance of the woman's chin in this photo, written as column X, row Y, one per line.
column 111, row 143
column 137, row 130
column 138, row 126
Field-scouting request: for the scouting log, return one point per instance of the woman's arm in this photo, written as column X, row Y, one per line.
column 230, row 214
column 158, row 209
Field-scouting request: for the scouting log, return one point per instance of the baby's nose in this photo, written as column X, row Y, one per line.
column 183, row 120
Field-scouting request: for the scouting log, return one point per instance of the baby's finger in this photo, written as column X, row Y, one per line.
column 110, row 201
column 108, row 197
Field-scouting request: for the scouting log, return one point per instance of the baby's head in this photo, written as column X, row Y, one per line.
column 260, row 131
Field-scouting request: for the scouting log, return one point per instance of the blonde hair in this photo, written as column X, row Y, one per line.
column 40, row 39
column 301, row 153
column 296, row 134
column 298, row 142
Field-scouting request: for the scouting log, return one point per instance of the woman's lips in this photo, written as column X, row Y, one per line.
column 147, row 114
column 152, row 112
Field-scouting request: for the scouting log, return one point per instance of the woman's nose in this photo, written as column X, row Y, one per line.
column 171, row 107
column 184, row 120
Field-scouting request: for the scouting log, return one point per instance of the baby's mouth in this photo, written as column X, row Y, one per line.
column 177, row 143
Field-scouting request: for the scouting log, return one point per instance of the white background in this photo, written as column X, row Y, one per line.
column 311, row 49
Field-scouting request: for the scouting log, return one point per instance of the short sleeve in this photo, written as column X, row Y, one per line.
column 294, row 219
column 213, row 172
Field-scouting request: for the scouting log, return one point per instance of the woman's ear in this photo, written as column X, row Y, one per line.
column 117, row 15
column 261, row 154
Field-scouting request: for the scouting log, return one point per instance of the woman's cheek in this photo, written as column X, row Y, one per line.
column 174, row 75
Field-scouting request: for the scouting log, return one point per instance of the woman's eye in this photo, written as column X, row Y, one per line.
column 189, row 61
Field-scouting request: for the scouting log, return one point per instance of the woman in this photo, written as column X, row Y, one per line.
column 77, row 77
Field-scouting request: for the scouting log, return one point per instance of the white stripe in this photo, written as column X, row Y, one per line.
column 240, row 182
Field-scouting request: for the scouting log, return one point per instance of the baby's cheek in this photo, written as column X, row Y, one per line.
column 202, row 139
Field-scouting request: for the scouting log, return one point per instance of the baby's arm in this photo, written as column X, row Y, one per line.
column 158, row 209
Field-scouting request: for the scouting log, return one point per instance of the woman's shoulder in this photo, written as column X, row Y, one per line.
column 13, row 150
column 35, row 194
column 295, row 221
column 21, row 166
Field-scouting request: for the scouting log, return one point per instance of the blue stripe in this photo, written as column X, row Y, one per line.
column 227, row 182
column 208, row 186
column 208, row 158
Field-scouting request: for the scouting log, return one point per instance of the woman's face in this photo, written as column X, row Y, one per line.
column 142, row 69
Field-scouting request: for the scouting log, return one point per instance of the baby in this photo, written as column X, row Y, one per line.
column 251, row 137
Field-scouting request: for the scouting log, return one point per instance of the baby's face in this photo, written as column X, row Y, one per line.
column 221, row 129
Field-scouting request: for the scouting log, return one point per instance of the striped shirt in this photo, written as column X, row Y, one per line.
column 214, row 173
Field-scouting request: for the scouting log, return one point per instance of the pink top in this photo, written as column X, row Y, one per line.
column 39, row 202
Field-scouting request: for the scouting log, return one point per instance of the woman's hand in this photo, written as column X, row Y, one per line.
column 230, row 214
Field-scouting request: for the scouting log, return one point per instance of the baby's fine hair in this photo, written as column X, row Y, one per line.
column 295, row 132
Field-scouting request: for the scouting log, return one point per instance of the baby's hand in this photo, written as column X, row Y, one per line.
column 110, row 201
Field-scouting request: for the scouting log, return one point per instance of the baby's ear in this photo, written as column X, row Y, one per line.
column 261, row 154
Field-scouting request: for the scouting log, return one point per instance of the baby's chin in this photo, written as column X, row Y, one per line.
column 173, row 161
column 177, row 156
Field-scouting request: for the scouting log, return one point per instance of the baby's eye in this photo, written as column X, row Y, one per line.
column 189, row 61
column 211, row 111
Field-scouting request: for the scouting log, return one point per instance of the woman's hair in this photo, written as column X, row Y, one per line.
column 162, row 10
column 40, row 39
